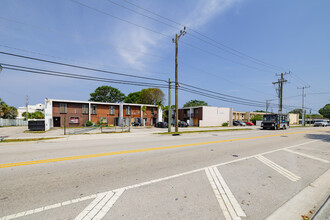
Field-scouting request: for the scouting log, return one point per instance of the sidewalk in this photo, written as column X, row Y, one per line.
column 22, row 132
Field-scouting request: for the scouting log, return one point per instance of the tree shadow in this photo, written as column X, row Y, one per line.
column 323, row 137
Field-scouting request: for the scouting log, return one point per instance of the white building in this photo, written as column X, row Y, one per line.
column 31, row 109
column 206, row 115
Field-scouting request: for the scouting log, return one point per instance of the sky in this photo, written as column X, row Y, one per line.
column 232, row 47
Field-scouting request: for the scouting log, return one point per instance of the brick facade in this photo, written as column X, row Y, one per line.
column 76, row 114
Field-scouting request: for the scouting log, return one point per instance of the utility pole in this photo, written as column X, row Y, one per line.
column 280, row 90
column 303, row 104
column 176, row 41
column 27, row 108
column 169, row 111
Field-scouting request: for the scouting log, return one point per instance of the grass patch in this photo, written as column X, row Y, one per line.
column 34, row 132
column 28, row 139
column 203, row 131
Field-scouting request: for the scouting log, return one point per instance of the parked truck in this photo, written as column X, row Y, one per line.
column 275, row 121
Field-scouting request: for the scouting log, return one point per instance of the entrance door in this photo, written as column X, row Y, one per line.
column 57, row 121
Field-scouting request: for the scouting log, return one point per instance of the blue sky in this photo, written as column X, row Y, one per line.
column 293, row 35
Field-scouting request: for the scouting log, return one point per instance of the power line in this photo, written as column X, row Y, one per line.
column 69, row 59
column 157, row 32
column 223, row 46
column 78, row 76
column 123, row 20
column 76, row 36
column 225, row 95
column 80, row 67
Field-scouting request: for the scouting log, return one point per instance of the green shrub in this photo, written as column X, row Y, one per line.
column 225, row 124
column 89, row 123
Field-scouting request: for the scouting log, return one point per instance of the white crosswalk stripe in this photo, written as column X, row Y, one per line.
column 228, row 203
column 288, row 174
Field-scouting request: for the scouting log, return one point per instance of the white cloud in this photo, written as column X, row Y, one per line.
column 205, row 10
column 141, row 41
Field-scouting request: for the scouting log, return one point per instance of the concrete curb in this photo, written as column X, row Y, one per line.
column 305, row 201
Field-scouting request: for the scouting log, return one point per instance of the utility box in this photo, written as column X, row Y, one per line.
column 36, row 124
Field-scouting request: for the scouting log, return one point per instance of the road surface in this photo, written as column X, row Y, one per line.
column 217, row 175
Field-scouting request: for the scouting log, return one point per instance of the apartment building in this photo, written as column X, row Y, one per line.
column 70, row 113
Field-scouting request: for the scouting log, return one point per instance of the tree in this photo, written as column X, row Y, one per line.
column 11, row 113
column 260, row 111
column 297, row 111
column 3, row 108
column 256, row 118
column 193, row 103
column 107, row 94
column 34, row 115
column 325, row 111
column 152, row 96
column 133, row 97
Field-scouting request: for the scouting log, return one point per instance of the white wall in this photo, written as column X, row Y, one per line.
column 48, row 114
column 215, row 116
column 31, row 109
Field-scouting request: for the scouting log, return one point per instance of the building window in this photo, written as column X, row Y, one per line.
column 103, row 120
column 63, row 107
column 112, row 110
column 128, row 110
column 74, row 120
column 85, row 108
column 94, row 109
column 152, row 111
column 196, row 111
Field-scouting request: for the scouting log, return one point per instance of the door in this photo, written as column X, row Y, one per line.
column 57, row 121
column 196, row 121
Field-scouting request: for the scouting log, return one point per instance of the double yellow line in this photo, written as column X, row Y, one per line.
column 139, row 150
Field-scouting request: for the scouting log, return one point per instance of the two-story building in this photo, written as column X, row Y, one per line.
column 70, row 113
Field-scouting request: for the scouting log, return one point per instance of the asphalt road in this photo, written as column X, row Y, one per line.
column 216, row 175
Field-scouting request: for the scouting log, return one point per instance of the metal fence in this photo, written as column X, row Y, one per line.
column 97, row 129
column 12, row 122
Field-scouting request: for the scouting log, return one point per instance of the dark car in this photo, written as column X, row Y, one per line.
column 180, row 124
column 161, row 124
column 238, row 123
column 136, row 124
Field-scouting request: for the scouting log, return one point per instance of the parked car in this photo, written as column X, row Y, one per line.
column 238, row 123
column 249, row 123
column 320, row 123
column 136, row 124
column 161, row 124
column 180, row 124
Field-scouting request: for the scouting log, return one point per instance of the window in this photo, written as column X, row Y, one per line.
column 112, row 110
column 128, row 110
column 74, row 120
column 85, row 108
column 152, row 111
column 94, row 109
column 196, row 111
column 63, row 107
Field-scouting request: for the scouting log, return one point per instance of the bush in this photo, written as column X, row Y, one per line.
column 89, row 123
column 256, row 118
column 225, row 124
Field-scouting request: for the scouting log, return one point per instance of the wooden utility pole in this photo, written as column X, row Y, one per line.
column 303, row 104
column 27, row 108
column 169, row 110
column 176, row 41
column 280, row 90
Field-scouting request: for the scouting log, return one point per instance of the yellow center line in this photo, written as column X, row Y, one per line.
column 140, row 150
